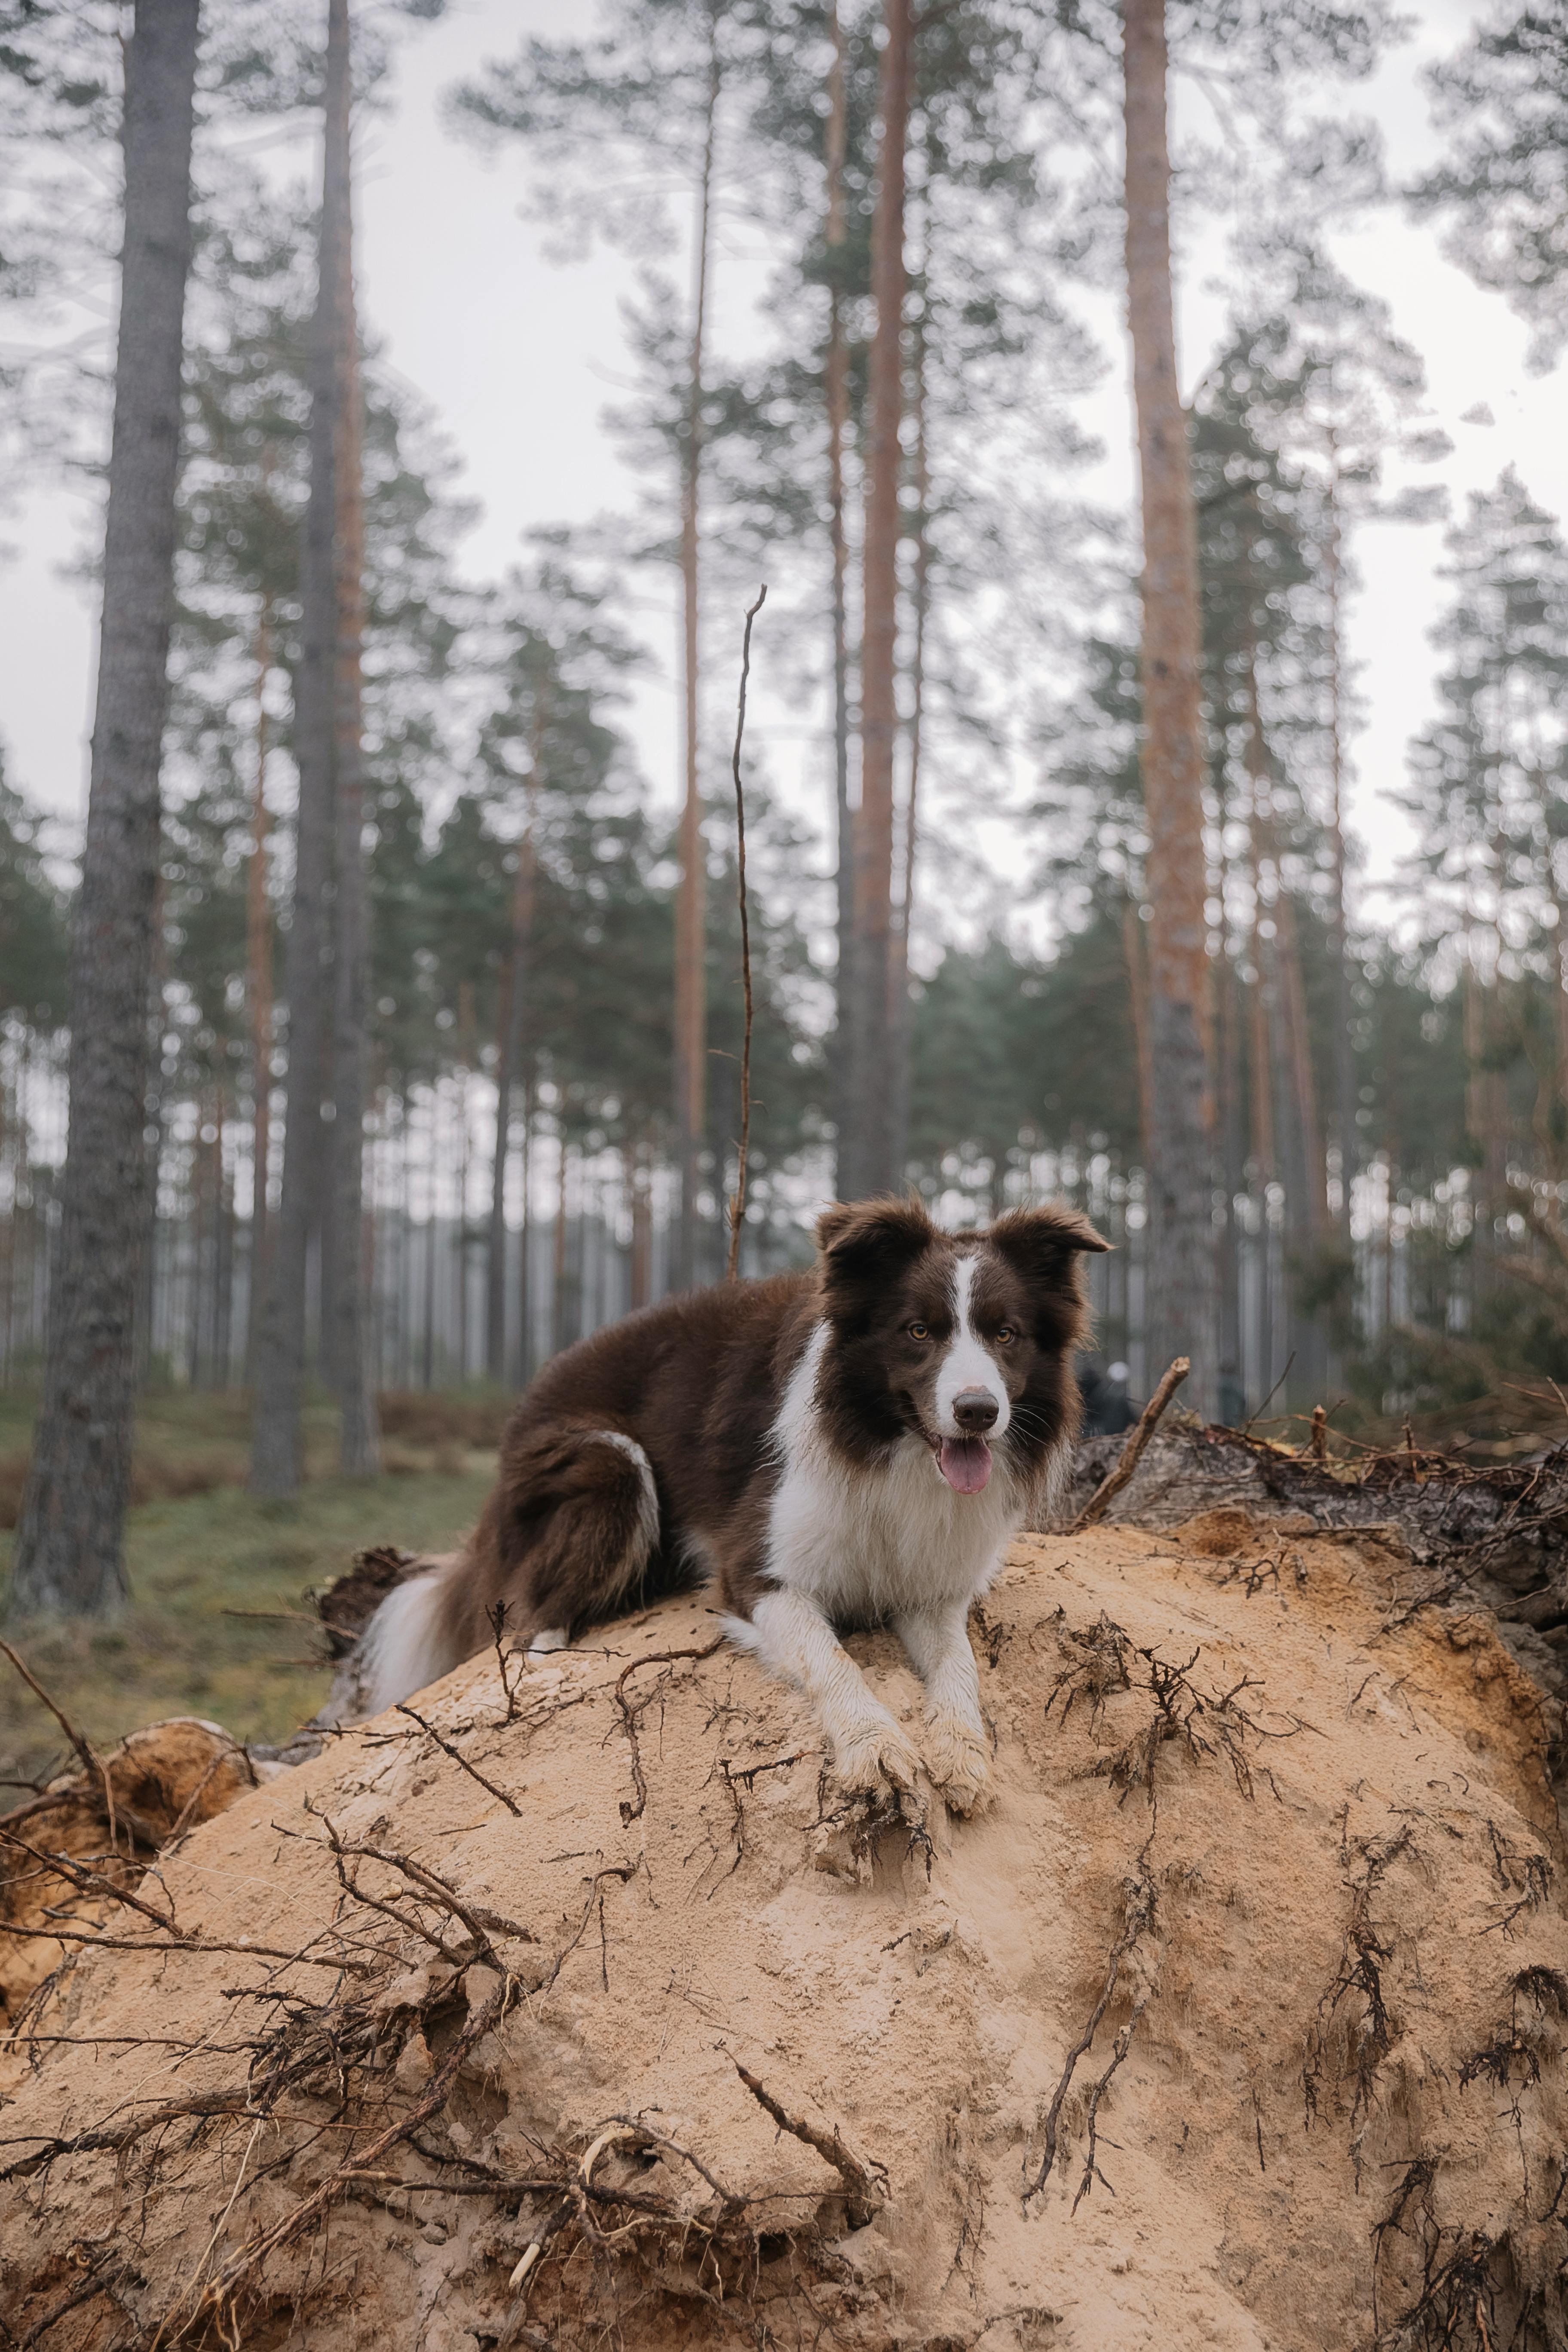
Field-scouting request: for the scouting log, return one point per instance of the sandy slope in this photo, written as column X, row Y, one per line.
column 1339, row 1996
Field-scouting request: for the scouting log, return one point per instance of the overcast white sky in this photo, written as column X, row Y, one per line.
column 519, row 357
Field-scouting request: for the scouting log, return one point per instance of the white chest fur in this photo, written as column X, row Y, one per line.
column 865, row 1543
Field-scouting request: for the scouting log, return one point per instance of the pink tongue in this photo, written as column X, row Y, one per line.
column 966, row 1463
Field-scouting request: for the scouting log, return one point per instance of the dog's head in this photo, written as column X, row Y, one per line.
column 964, row 1340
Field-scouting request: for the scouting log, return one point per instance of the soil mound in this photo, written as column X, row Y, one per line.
column 580, row 2011
column 1494, row 1533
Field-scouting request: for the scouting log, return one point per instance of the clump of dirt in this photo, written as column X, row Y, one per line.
column 351, row 1601
column 568, row 2007
column 72, row 1855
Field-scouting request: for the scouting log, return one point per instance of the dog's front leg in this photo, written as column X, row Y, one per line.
column 794, row 1639
column 957, row 1752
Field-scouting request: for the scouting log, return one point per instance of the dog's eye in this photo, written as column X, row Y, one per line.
column 919, row 1330
column 1005, row 1337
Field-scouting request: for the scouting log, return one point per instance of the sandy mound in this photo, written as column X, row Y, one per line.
column 1254, row 1977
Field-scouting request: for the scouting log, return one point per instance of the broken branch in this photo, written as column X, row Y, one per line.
column 865, row 2198
column 1132, row 1454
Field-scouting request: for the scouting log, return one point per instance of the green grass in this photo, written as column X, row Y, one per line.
column 196, row 1559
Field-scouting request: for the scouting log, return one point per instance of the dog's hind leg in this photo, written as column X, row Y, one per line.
column 576, row 1531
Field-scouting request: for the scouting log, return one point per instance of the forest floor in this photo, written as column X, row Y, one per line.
column 202, row 1554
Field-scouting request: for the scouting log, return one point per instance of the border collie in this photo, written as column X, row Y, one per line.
column 851, row 1446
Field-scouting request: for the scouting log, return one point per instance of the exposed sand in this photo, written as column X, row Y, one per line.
column 1340, row 1999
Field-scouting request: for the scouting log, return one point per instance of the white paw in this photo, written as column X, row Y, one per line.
column 876, row 1753
column 958, row 1762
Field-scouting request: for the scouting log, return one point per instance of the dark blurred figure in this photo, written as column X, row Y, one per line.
column 1106, row 1409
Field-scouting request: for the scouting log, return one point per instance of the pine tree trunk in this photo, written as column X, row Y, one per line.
column 349, row 1306
column 691, row 905
column 1311, row 1207
column 1303, row 1079
column 558, row 1253
column 222, row 1254
column 1262, row 1093
column 1561, row 1022
column 1182, row 1268
column 869, row 1165
column 1345, row 1129
column 642, row 1228
column 428, row 1360
column 837, row 393
column 524, row 1243
column 1232, row 1387
column 465, row 1164
column 1136, row 957
column 69, row 1540
column 509, row 1045
column 258, row 991
column 901, row 1009
column 277, row 1461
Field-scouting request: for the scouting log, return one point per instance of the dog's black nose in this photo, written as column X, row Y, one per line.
column 974, row 1410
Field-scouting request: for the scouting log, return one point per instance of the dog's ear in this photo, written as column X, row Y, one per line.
column 1042, row 1244
column 862, row 1239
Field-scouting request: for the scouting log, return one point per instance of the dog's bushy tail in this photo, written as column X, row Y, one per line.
column 408, row 1643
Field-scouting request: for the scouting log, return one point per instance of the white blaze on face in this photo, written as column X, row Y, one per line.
column 968, row 1363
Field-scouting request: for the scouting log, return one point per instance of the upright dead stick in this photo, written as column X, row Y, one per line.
column 738, row 1205
column 1111, row 1487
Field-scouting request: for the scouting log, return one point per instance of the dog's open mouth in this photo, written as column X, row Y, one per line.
column 964, row 1463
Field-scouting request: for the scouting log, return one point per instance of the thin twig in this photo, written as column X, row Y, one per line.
column 629, row 1714
column 471, row 1770
column 738, row 1205
column 1111, row 1487
column 194, row 1943
column 480, row 2021
column 92, row 1761
column 496, row 1618
column 1273, row 1393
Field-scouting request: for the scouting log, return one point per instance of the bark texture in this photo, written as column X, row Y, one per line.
column 276, row 1458
column 359, row 1443
column 869, row 1165
column 1183, row 1262
column 69, row 1554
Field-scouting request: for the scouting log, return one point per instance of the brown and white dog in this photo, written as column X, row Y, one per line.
column 851, row 1446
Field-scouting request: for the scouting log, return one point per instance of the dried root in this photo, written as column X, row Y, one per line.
column 1138, row 1907
column 1357, row 1987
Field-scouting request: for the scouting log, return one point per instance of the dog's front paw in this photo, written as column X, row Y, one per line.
column 876, row 1754
column 958, row 1762
column 870, row 1794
